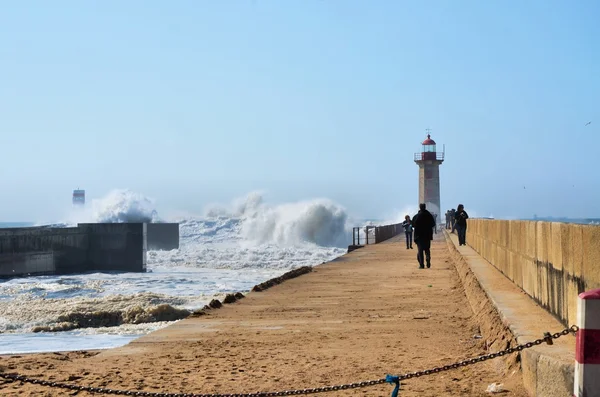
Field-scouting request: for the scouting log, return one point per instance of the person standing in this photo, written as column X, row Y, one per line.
column 423, row 224
column 453, row 219
column 408, row 230
column 461, row 224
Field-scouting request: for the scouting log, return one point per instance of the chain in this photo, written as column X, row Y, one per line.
column 548, row 338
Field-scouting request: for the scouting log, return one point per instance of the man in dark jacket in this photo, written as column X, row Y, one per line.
column 461, row 217
column 423, row 224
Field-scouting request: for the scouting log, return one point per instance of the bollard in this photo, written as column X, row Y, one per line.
column 587, row 353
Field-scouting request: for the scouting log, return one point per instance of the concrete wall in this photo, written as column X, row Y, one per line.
column 552, row 262
column 163, row 236
column 88, row 247
column 116, row 246
column 40, row 250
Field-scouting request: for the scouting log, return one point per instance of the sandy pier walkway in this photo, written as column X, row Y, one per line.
column 367, row 314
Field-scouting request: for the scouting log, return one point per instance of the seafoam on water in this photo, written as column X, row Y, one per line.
column 228, row 249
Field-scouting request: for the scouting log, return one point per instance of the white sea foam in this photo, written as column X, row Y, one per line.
column 117, row 206
column 229, row 249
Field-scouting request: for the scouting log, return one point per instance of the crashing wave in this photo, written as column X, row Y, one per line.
column 115, row 318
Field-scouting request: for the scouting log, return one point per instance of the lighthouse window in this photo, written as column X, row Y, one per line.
column 429, row 148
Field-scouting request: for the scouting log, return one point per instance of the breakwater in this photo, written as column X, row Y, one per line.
column 379, row 234
column 88, row 247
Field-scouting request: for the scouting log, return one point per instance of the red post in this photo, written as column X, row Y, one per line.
column 587, row 354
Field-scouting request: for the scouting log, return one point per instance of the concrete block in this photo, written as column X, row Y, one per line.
column 530, row 277
column 522, row 237
column 531, row 239
column 591, row 259
column 542, row 283
column 494, row 255
column 529, row 360
column 26, row 263
column 505, row 233
column 543, row 241
column 506, row 259
column 503, row 261
column 516, row 269
column 573, row 267
column 513, row 236
column 554, row 378
column 556, row 257
column 116, row 246
column 566, row 244
column 579, row 249
column 573, row 289
column 163, row 236
column 556, row 292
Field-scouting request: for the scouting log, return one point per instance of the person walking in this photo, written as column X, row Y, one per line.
column 408, row 230
column 423, row 224
column 461, row 224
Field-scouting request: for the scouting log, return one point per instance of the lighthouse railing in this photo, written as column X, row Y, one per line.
column 439, row 156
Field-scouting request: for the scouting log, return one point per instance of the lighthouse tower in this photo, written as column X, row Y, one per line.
column 79, row 197
column 429, row 161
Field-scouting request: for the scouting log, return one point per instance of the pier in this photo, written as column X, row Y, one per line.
column 367, row 314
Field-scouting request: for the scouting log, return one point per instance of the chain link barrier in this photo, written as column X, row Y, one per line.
column 548, row 338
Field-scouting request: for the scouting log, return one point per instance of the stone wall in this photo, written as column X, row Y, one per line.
column 552, row 262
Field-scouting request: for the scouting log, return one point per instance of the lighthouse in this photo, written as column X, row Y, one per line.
column 79, row 197
column 429, row 161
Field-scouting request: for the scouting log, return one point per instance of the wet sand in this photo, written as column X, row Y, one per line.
column 360, row 317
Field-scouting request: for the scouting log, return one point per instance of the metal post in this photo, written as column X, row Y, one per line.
column 353, row 239
column 587, row 354
column 367, row 232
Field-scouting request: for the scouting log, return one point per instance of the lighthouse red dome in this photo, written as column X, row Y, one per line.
column 428, row 141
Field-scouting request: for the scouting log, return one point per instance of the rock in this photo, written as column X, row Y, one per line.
column 215, row 304
column 229, row 298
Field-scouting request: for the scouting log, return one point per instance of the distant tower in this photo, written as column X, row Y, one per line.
column 429, row 175
column 78, row 197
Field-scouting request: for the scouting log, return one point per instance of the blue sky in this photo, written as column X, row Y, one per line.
column 194, row 102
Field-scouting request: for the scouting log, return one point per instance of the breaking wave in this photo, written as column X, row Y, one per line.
column 118, row 206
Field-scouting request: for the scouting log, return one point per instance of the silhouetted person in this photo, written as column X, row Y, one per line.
column 448, row 221
column 461, row 224
column 408, row 230
column 435, row 223
column 423, row 224
column 453, row 219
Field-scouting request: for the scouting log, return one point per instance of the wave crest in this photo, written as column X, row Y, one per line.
column 124, row 206
column 321, row 222
column 118, row 206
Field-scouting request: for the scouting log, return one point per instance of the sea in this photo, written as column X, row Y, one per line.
column 227, row 249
